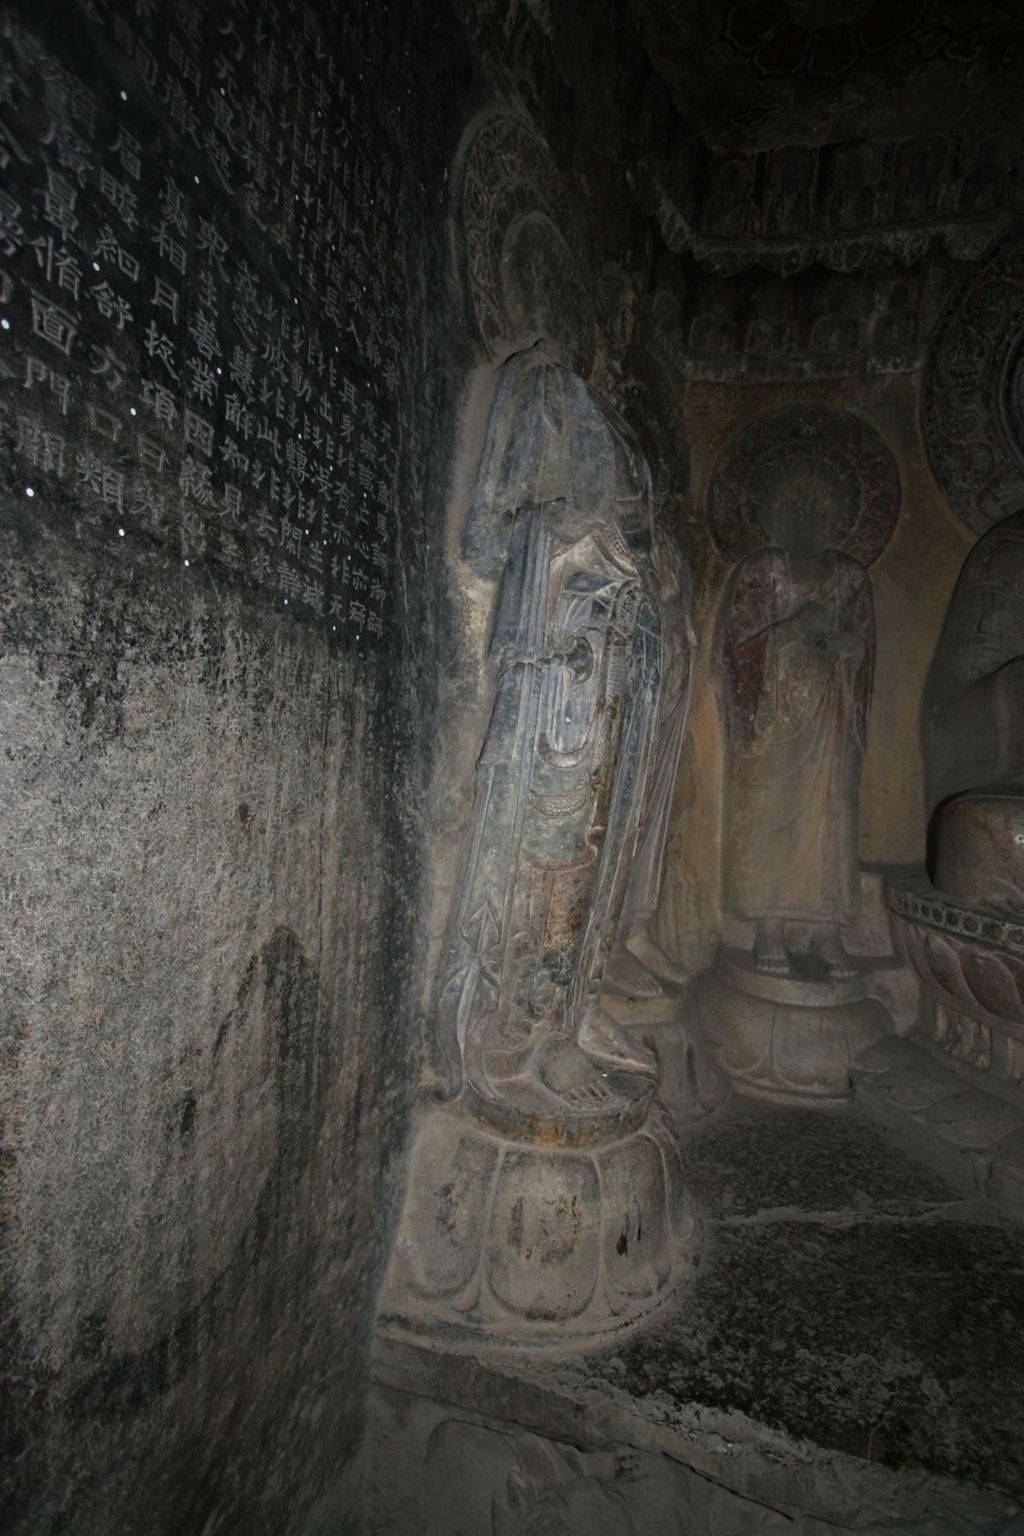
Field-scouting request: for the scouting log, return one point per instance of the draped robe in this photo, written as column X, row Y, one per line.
column 797, row 652
column 562, row 517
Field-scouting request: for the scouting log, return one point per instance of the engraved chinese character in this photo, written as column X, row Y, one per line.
column 146, row 65
column 107, row 245
column 110, row 305
column 103, row 479
column 160, row 346
column 198, row 433
column 170, row 248
column 193, row 533
column 291, row 537
column 289, row 580
column 194, row 480
column 160, row 401
column 207, row 286
column 173, row 208
column 59, row 205
column 297, row 461
column 204, row 335
column 266, row 433
column 189, row 16
column 265, row 528
column 57, row 265
column 53, row 324
column 106, row 365
column 103, row 422
column 121, row 196
column 210, row 240
column 233, row 503
column 73, row 152
column 185, row 62
column 12, row 234
column 165, row 297
column 148, row 503
column 181, row 109
column 203, row 384
column 44, row 450
column 238, row 416
column 240, row 367
column 130, row 151
column 37, row 372
column 151, row 455
column 233, row 455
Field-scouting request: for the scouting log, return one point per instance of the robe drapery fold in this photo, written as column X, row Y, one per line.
column 562, row 518
column 796, row 662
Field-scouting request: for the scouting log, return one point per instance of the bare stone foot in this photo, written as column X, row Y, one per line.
column 770, row 953
column 565, row 1070
column 657, row 962
column 629, row 977
column 827, row 944
column 601, row 1036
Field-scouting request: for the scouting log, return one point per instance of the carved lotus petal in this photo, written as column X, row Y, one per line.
column 452, row 1175
column 543, row 1245
column 637, row 1259
column 993, row 984
column 941, row 960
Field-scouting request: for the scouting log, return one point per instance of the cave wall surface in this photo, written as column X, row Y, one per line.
column 226, row 417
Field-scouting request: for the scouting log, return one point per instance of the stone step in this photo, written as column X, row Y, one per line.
column 946, row 1115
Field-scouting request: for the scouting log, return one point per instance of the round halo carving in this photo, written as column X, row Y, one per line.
column 973, row 398
column 847, row 452
column 520, row 246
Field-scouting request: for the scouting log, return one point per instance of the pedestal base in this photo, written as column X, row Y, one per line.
column 791, row 1039
column 506, row 1243
column 690, row 1082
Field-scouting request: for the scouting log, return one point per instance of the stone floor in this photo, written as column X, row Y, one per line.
column 848, row 1357
column 847, row 1297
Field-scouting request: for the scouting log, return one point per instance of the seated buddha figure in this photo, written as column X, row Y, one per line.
column 974, row 728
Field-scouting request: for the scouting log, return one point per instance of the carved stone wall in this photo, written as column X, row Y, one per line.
column 226, row 334
column 972, row 399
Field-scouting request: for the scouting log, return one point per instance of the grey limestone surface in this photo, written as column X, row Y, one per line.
column 212, row 767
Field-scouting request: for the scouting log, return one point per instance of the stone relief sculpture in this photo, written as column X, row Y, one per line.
column 974, row 701
column 545, row 1202
column 803, row 500
column 479, row 1480
column 644, row 980
column 730, row 209
column 854, row 180
column 713, row 328
column 972, row 403
column 797, row 654
column 562, row 517
column 959, row 926
column 973, row 728
column 679, row 642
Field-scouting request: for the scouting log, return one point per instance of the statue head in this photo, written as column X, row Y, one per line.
column 541, row 290
column 804, row 507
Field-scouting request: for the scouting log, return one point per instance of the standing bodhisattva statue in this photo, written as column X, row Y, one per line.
column 561, row 520
column 796, row 660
